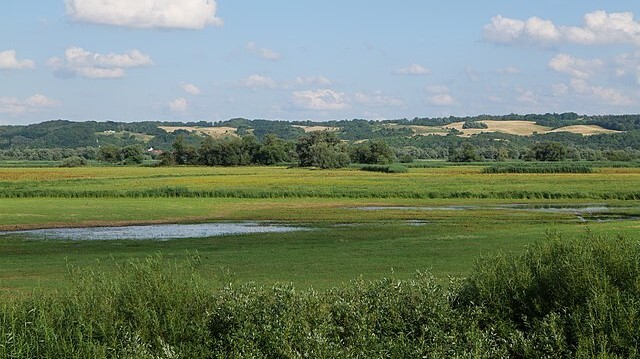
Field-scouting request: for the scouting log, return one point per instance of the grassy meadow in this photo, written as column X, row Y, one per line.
column 443, row 261
column 346, row 242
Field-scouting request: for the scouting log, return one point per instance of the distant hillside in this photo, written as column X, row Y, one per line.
column 569, row 128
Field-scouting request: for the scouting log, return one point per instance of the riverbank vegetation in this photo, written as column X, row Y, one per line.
column 560, row 298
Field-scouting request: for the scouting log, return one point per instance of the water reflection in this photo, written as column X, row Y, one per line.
column 157, row 232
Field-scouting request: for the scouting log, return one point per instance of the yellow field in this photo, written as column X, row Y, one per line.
column 585, row 130
column 520, row 128
column 215, row 132
column 308, row 129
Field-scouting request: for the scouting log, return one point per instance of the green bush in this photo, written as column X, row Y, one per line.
column 74, row 161
column 561, row 298
column 385, row 168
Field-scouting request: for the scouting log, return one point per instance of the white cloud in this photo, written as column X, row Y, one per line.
column 526, row 96
column 377, row 99
column 323, row 99
column 78, row 61
column 178, row 105
column 559, row 90
column 258, row 81
column 628, row 65
column 171, row 14
column 575, row 67
column 607, row 95
column 190, row 89
column 599, row 27
column 265, row 53
column 413, row 70
column 312, row 80
column 9, row 61
column 437, row 89
column 443, row 99
column 35, row 103
column 509, row 70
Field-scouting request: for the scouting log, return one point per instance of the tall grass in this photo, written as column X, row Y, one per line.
column 538, row 167
column 562, row 298
column 335, row 192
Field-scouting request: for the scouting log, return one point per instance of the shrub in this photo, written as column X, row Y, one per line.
column 575, row 297
column 386, row 169
column 74, row 161
column 474, row 124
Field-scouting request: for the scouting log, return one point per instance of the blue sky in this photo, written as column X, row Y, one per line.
column 212, row 60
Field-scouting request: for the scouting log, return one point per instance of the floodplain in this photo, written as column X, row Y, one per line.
column 359, row 224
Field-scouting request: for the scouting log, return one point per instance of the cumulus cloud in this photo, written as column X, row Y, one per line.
column 559, row 90
column 258, row 81
column 377, row 99
column 190, row 89
column 440, row 95
column 320, row 100
column 178, row 105
column 575, row 67
column 78, row 61
column 413, row 70
column 598, row 27
column 9, row 61
column 607, row 95
column 526, row 96
column 169, row 14
column 35, row 103
column 628, row 65
column 312, row 80
column 265, row 53
column 509, row 70
column 443, row 99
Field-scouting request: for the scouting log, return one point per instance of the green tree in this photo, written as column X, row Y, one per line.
column 273, row 150
column 372, row 152
column 549, row 151
column 322, row 149
column 183, row 153
column 132, row 155
column 466, row 153
column 110, row 154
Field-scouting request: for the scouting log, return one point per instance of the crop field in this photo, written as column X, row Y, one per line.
column 359, row 224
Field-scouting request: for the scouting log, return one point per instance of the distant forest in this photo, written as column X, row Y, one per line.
column 53, row 140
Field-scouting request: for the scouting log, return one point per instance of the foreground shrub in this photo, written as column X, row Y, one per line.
column 561, row 298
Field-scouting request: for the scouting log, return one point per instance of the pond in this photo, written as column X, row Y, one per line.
column 156, row 232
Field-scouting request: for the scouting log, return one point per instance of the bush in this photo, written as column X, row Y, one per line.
column 561, row 298
column 567, row 298
column 474, row 125
column 74, row 161
column 385, row 169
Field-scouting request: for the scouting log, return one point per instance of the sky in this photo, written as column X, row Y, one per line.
column 212, row 60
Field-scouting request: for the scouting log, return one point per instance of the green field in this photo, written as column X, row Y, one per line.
column 345, row 242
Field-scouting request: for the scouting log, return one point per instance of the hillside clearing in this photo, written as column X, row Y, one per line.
column 215, row 132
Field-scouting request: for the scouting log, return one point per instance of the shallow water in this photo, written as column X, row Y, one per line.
column 157, row 232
